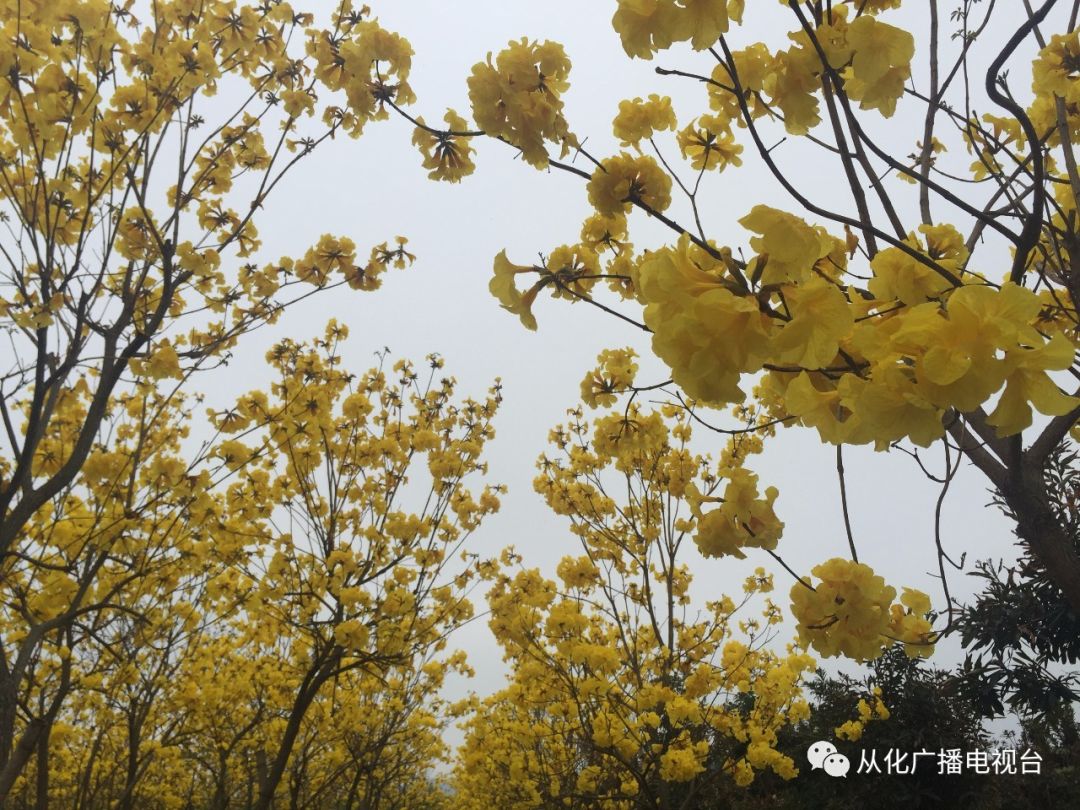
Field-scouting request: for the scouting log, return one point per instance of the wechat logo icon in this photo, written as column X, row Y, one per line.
column 823, row 754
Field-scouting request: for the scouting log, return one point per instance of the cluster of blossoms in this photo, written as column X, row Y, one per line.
column 639, row 119
column 652, row 26
column 871, row 370
column 743, row 520
column 614, row 375
column 516, row 98
column 868, row 710
column 571, row 271
column 446, row 157
column 852, row 612
column 708, row 143
column 627, row 178
column 369, row 64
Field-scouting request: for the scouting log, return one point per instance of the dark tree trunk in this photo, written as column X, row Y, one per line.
column 323, row 667
column 1051, row 544
column 24, row 749
column 42, row 800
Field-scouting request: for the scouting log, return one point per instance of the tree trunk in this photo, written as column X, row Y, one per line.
column 1020, row 479
column 20, row 755
column 292, row 729
column 260, row 778
column 83, row 797
column 131, row 777
column 354, row 788
column 1050, row 543
column 221, row 795
column 42, row 800
column 8, row 709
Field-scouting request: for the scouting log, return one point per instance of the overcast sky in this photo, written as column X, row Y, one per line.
column 373, row 189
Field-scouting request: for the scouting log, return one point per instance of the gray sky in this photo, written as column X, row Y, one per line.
column 373, row 189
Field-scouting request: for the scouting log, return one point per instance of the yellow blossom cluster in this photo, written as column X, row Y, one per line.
column 851, row 611
column 592, row 690
column 517, row 97
column 639, row 119
column 446, row 157
column 890, row 373
column 626, row 179
column 362, row 60
column 651, row 26
column 874, row 709
column 709, row 143
column 743, row 520
column 614, row 375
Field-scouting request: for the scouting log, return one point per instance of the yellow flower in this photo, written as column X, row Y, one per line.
column 1054, row 71
column 517, row 97
column 880, row 64
column 791, row 246
column 821, row 317
column 679, row 765
column 623, row 179
column 1028, row 384
column 708, row 143
column 446, row 156
column 851, row 730
column 847, row 611
column 648, row 26
column 639, row 119
column 614, row 375
column 742, row 520
column 502, row 286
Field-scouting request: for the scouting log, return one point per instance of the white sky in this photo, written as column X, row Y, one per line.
column 373, row 189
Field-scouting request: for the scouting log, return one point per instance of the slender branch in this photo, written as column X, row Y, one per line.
column 925, row 156
column 844, row 501
column 800, row 198
column 1052, row 435
column 1029, row 236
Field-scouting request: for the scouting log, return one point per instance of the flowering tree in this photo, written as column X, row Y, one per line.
column 273, row 616
column 623, row 694
column 141, row 561
column 949, row 322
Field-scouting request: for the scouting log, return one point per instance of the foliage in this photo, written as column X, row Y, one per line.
column 1023, row 637
column 924, row 712
column 928, row 710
